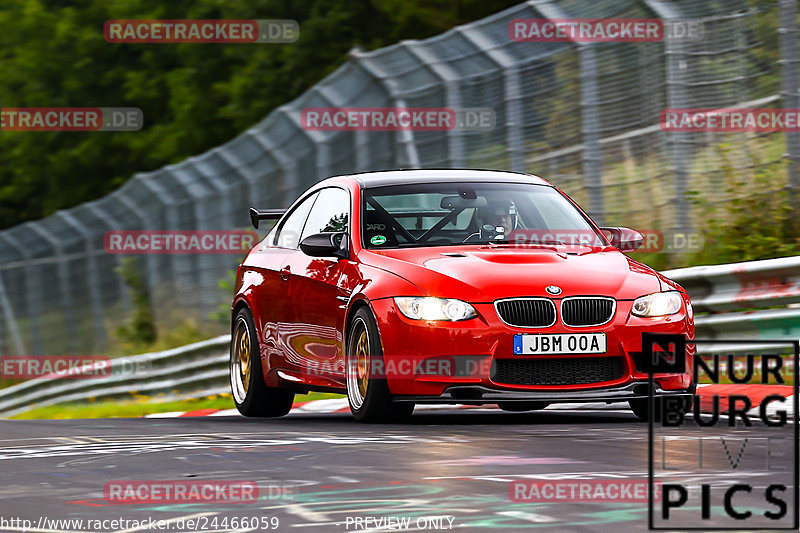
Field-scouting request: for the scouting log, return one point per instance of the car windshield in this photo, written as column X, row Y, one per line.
column 441, row 214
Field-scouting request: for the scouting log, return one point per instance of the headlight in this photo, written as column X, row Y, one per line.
column 419, row 308
column 658, row 304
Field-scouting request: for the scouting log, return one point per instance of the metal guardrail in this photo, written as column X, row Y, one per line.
column 728, row 293
column 753, row 300
column 735, row 286
column 192, row 371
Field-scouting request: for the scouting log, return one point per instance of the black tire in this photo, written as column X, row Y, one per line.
column 367, row 390
column 250, row 394
column 519, row 407
column 640, row 409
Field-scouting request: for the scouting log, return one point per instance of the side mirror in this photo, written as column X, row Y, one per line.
column 624, row 239
column 329, row 244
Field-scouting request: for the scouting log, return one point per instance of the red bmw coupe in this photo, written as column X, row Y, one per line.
column 447, row 286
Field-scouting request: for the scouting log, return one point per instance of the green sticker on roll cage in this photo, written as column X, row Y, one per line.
column 377, row 240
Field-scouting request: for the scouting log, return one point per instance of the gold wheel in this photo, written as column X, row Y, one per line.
column 241, row 361
column 244, row 357
column 362, row 363
column 368, row 390
column 358, row 363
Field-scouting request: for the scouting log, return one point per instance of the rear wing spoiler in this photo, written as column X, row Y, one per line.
column 257, row 215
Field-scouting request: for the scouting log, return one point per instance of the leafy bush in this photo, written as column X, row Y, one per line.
column 755, row 221
column 140, row 331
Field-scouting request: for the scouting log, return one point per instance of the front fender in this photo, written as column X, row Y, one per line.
column 378, row 283
column 374, row 284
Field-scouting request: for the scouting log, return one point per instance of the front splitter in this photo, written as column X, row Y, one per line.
column 478, row 394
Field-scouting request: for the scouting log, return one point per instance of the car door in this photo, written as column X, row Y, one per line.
column 312, row 340
column 274, row 300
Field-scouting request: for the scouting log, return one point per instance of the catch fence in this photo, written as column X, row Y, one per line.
column 583, row 115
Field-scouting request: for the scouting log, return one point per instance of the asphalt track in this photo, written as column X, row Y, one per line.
column 319, row 472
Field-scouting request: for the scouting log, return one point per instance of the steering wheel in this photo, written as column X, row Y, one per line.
column 487, row 233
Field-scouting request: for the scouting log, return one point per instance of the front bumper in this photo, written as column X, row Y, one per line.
column 478, row 395
column 481, row 342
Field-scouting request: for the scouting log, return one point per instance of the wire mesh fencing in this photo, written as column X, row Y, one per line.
column 584, row 115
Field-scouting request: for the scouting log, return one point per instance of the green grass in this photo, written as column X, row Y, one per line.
column 142, row 405
column 9, row 382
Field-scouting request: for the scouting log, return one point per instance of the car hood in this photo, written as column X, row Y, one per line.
column 484, row 274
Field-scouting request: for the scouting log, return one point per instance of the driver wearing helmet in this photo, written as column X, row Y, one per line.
column 501, row 213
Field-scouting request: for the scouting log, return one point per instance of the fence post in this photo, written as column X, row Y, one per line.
column 151, row 273
column 333, row 98
column 206, row 201
column 678, row 142
column 34, row 294
column 8, row 312
column 452, row 92
column 512, row 87
column 405, row 137
column 592, row 154
column 237, row 166
column 318, row 139
column 63, row 284
column 97, row 210
column 287, row 163
column 94, row 278
column 592, row 157
column 790, row 94
column 225, row 212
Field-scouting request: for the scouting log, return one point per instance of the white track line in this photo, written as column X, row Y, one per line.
column 174, row 414
column 332, row 405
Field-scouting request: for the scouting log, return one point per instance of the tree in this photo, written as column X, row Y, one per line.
column 194, row 96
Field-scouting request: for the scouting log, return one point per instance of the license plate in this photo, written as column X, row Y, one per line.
column 564, row 343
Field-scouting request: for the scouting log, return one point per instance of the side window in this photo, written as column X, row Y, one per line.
column 331, row 212
column 289, row 234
